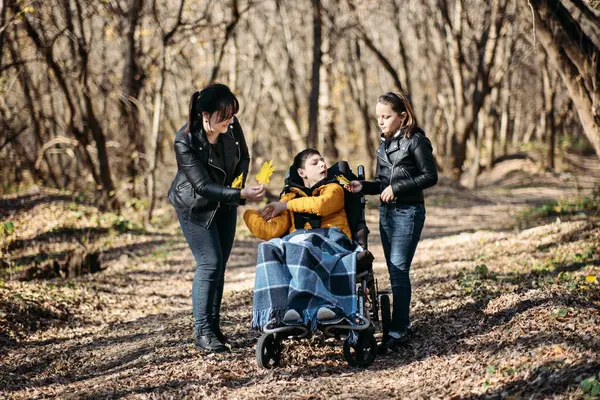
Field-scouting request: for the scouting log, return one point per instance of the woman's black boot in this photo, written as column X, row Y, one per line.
column 207, row 340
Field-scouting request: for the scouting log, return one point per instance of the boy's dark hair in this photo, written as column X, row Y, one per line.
column 216, row 97
column 300, row 159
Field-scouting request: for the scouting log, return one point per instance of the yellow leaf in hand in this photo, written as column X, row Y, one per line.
column 342, row 180
column 265, row 172
column 237, row 182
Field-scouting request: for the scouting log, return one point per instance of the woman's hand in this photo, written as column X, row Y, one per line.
column 253, row 192
column 272, row 210
column 353, row 187
column 387, row 195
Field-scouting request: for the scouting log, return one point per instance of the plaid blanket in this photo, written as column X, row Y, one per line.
column 304, row 270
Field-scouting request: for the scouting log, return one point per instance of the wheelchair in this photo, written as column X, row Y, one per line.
column 373, row 308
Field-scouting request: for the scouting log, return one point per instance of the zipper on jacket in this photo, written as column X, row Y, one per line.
column 183, row 185
column 224, row 179
column 406, row 174
column 213, row 214
column 393, row 169
column 409, row 176
column 237, row 143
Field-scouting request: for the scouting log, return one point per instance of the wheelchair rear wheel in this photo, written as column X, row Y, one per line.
column 363, row 353
column 268, row 351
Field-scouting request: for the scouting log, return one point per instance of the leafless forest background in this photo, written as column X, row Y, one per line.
column 92, row 92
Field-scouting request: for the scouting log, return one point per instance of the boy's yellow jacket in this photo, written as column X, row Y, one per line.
column 327, row 201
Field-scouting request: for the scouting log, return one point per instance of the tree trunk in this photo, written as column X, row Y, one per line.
column 133, row 78
column 550, row 129
column 359, row 90
column 404, row 70
column 155, row 137
column 290, row 69
column 3, row 30
column 518, row 124
column 330, row 137
column 38, row 130
column 313, row 100
column 92, row 124
column 490, row 128
column 505, row 118
column 229, row 29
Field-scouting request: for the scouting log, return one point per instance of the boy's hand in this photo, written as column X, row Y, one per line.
column 272, row 210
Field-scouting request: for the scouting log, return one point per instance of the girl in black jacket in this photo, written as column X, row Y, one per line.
column 211, row 152
column 405, row 166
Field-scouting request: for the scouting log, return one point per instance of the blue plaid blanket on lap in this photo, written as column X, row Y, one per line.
column 304, row 270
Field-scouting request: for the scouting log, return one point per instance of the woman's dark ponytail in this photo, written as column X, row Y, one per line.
column 216, row 97
column 194, row 111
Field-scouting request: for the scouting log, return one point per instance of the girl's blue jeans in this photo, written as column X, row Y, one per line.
column 400, row 227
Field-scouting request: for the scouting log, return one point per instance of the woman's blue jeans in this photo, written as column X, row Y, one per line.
column 400, row 228
column 211, row 249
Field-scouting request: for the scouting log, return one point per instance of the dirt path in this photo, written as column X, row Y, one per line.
column 526, row 325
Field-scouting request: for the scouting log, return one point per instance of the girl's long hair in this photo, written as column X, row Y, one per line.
column 399, row 102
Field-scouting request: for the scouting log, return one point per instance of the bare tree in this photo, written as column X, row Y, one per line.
column 574, row 51
column 229, row 29
column 305, row 73
column 133, row 77
column 167, row 37
column 469, row 95
column 360, row 95
column 385, row 62
column 83, row 106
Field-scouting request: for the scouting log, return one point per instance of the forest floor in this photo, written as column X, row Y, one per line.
column 506, row 303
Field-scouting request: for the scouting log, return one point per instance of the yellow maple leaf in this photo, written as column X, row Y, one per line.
column 265, row 173
column 237, row 182
column 591, row 278
column 342, row 179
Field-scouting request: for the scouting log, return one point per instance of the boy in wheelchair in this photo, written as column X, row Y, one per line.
column 306, row 271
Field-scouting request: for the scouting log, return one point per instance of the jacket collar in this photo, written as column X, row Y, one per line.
column 230, row 145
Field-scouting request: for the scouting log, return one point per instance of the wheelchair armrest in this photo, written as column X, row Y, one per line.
column 364, row 261
column 362, row 235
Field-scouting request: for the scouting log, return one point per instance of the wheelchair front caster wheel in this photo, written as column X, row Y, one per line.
column 268, row 351
column 363, row 353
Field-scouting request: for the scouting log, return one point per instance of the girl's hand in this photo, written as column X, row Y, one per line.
column 353, row 187
column 272, row 210
column 253, row 192
column 387, row 195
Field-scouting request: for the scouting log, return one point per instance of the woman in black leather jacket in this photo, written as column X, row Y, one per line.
column 405, row 166
column 211, row 152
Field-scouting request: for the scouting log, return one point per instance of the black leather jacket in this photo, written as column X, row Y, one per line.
column 200, row 186
column 408, row 165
